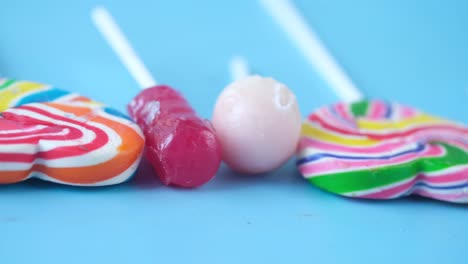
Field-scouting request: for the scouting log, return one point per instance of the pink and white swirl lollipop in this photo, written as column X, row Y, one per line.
column 369, row 148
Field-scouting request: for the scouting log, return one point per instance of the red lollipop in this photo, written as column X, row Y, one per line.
column 181, row 146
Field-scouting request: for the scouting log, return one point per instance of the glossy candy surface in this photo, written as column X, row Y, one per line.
column 182, row 147
column 70, row 140
column 258, row 123
column 380, row 150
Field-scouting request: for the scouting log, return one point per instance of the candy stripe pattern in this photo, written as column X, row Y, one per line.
column 380, row 150
column 15, row 93
column 71, row 140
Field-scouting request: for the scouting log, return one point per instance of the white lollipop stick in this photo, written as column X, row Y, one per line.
column 239, row 68
column 289, row 18
column 120, row 44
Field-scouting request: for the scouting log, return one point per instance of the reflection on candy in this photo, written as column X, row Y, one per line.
column 71, row 140
column 378, row 150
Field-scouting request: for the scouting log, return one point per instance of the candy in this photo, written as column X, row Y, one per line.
column 258, row 123
column 372, row 149
column 182, row 148
column 379, row 150
column 71, row 140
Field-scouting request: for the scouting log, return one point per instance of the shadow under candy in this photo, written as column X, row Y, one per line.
column 286, row 176
column 145, row 177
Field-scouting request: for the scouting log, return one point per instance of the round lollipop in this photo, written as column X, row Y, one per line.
column 370, row 148
column 58, row 136
column 181, row 146
column 257, row 121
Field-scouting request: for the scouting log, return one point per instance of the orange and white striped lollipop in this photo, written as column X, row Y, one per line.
column 63, row 137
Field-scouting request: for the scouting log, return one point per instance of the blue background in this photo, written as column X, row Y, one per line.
column 413, row 52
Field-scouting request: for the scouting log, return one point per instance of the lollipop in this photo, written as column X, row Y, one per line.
column 182, row 147
column 70, row 140
column 257, row 121
column 380, row 150
column 373, row 149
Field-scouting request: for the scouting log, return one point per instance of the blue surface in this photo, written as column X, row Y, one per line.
column 414, row 52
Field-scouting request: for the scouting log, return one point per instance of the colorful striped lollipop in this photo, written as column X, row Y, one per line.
column 70, row 140
column 372, row 149
column 379, row 150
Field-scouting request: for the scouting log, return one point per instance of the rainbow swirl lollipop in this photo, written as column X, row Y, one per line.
column 70, row 140
column 379, row 150
column 372, row 149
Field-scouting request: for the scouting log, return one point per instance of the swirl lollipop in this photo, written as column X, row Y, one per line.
column 369, row 148
column 58, row 136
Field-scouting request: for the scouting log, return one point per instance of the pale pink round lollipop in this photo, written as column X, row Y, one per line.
column 258, row 123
